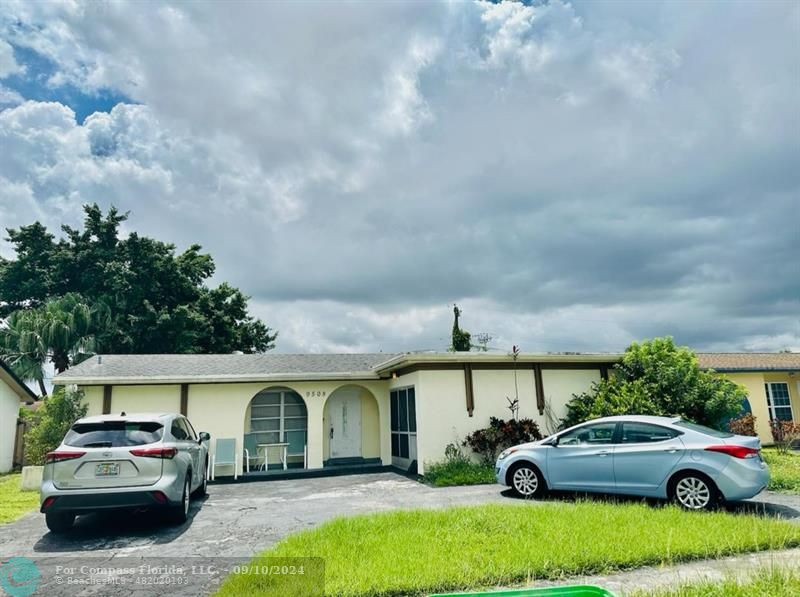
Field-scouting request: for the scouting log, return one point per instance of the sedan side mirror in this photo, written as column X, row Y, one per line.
column 204, row 436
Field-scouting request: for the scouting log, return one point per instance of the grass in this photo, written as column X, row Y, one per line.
column 784, row 470
column 458, row 472
column 769, row 582
column 413, row 552
column 13, row 501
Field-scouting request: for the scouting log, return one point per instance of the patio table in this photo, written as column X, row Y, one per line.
column 284, row 446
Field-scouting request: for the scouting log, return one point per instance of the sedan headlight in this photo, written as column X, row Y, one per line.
column 506, row 453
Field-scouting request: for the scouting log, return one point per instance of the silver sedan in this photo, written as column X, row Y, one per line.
column 660, row 457
column 109, row 462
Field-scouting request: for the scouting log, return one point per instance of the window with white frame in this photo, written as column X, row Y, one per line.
column 274, row 412
column 780, row 406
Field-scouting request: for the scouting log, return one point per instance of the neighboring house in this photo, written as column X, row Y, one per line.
column 334, row 409
column 772, row 381
column 390, row 409
column 12, row 392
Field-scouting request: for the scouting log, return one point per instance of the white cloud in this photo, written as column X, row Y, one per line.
column 575, row 175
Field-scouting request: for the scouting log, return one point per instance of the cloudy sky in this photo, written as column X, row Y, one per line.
column 574, row 175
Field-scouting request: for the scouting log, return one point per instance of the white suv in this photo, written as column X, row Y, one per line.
column 124, row 462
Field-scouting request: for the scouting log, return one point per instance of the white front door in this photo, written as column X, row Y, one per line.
column 344, row 409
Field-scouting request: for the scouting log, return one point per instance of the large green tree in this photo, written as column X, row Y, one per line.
column 659, row 378
column 158, row 301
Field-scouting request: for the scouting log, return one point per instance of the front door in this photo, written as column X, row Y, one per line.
column 344, row 410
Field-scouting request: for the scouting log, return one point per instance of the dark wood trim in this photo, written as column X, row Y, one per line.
column 539, row 385
column 574, row 365
column 603, row 371
column 184, row 399
column 107, row 390
column 470, row 394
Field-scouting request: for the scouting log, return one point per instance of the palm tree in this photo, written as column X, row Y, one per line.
column 61, row 332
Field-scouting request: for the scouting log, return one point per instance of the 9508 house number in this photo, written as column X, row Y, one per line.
column 316, row 394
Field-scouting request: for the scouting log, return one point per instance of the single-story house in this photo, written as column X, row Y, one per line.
column 324, row 410
column 772, row 381
column 12, row 392
column 389, row 409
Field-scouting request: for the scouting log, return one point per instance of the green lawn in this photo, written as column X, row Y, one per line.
column 14, row 502
column 442, row 474
column 784, row 470
column 421, row 551
column 767, row 583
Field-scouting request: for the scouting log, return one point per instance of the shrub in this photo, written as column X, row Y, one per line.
column 658, row 378
column 458, row 469
column 784, row 433
column 499, row 435
column 744, row 425
column 51, row 423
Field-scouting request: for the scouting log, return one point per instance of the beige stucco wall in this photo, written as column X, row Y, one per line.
column 9, row 411
column 560, row 385
column 93, row 398
column 221, row 409
column 442, row 416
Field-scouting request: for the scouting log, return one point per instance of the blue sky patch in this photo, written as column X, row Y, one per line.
column 32, row 85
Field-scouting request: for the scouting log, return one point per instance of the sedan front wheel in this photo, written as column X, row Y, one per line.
column 526, row 480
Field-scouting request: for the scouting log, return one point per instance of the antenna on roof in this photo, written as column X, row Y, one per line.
column 99, row 359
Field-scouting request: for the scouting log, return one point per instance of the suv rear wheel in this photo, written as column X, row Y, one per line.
column 59, row 522
column 180, row 513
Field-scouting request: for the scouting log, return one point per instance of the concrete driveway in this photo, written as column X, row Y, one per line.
column 235, row 521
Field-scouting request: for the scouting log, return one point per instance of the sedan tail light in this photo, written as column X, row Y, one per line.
column 168, row 453
column 735, row 451
column 62, row 456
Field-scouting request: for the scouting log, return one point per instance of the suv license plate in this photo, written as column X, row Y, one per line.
column 106, row 469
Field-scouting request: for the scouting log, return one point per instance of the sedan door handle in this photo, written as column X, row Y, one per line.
column 604, row 452
column 671, row 450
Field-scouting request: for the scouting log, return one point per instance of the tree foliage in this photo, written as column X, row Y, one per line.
column 61, row 332
column 461, row 339
column 157, row 300
column 51, row 423
column 658, row 378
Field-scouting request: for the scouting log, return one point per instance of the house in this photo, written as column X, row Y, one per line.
column 772, row 381
column 315, row 411
column 12, row 392
column 336, row 409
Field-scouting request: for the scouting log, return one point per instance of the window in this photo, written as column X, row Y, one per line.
column 189, row 429
column 643, row 433
column 403, row 423
column 178, row 431
column 113, row 434
column 778, row 401
column 589, row 435
column 703, row 429
column 275, row 412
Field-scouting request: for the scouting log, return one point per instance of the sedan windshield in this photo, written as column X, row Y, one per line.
column 113, row 434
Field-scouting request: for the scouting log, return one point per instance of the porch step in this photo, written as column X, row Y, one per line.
column 328, row 471
column 353, row 461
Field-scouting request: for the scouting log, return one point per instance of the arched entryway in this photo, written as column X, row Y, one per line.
column 276, row 430
column 351, row 427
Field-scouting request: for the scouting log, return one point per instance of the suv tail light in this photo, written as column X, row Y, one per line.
column 168, row 453
column 735, row 451
column 62, row 456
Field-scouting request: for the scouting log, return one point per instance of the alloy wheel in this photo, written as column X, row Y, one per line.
column 693, row 493
column 526, row 481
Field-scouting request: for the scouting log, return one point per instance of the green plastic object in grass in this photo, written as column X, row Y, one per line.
column 566, row 591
